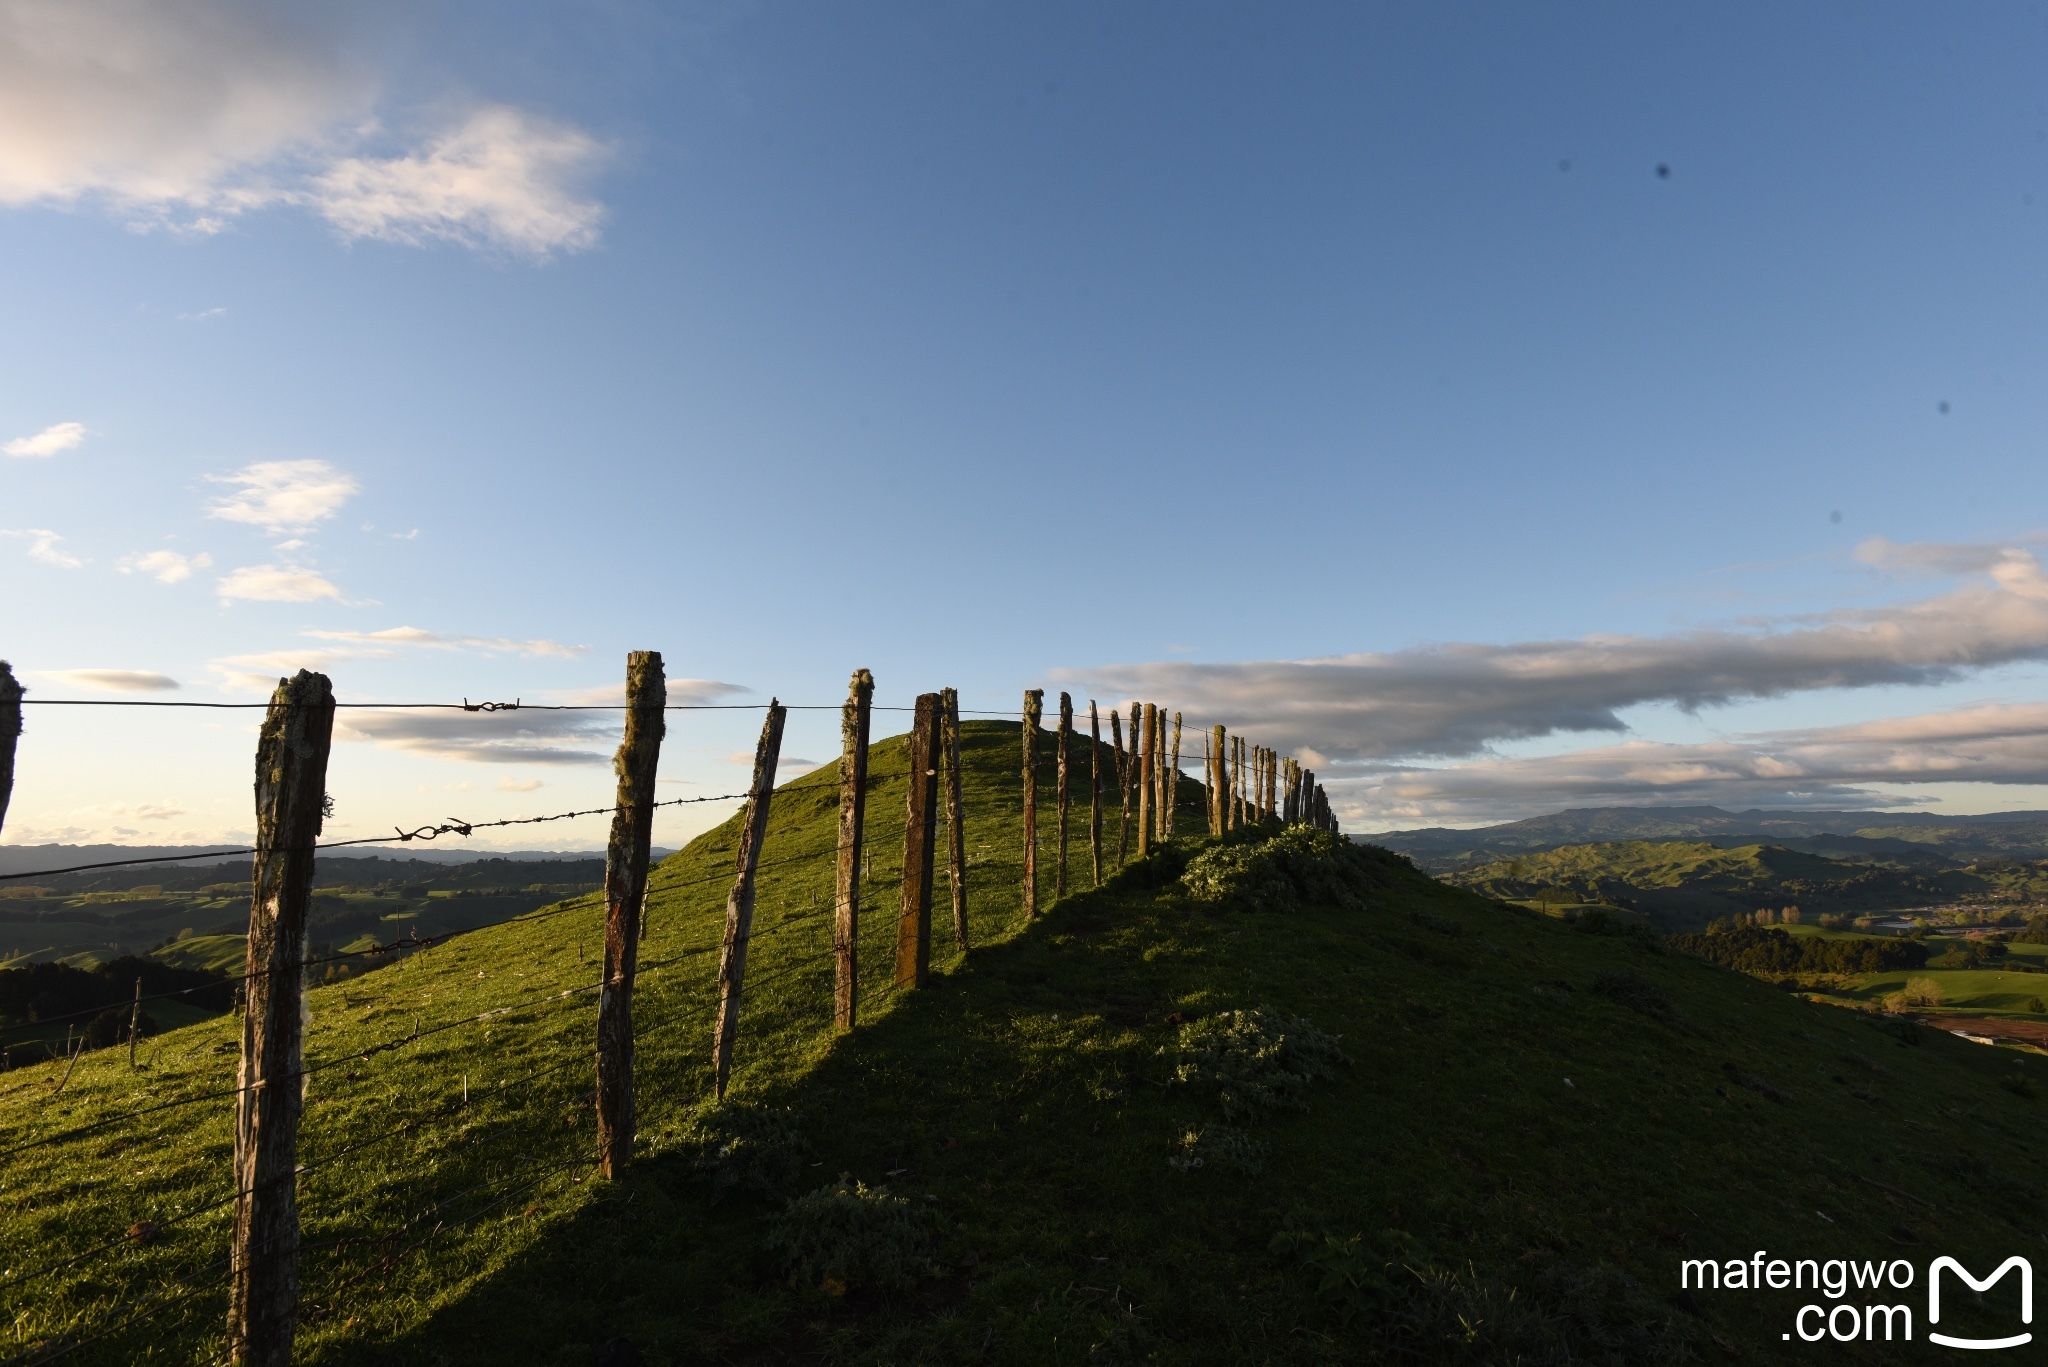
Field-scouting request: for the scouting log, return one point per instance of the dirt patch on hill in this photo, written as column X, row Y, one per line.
column 2034, row 1032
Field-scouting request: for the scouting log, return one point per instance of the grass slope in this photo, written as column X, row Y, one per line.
column 1025, row 1101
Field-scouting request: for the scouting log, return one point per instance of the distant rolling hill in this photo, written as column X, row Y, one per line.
column 1917, row 839
column 1685, row 884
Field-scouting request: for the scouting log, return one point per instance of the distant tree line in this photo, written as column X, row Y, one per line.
column 1770, row 952
column 30, row 993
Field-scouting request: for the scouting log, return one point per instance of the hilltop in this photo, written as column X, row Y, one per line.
column 1471, row 1134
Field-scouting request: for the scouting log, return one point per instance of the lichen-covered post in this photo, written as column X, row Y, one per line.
column 1123, row 785
column 291, row 799
column 625, row 888
column 1148, row 761
column 956, row 812
column 1173, row 776
column 10, row 732
column 853, row 804
column 1066, row 736
column 1219, row 787
column 1095, row 792
column 739, row 903
column 1034, row 708
column 920, row 832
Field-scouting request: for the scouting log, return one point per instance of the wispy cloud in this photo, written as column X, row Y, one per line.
column 1454, row 700
column 259, row 672
column 680, row 693
column 42, row 545
column 52, row 440
column 415, row 636
column 283, row 495
column 509, row 784
column 1837, row 766
column 524, row 737
column 501, row 179
column 275, row 584
column 166, row 567
column 114, row 680
column 188, row 113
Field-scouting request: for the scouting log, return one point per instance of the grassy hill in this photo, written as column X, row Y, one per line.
column 1920, row 839
column 1685, row 884
column 1529, row 1126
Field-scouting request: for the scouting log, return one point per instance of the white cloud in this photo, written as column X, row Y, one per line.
column 115, row 680
column 1456, row 699
column 500, row 180
column 166, row 567
column 508, row 784
column 42, row 545
column 275, row 584
column 283, row 495
column 203, row 315
column 62, row 436
column 414, row 636
column 259, row 673
column 522, row 737
column 680, row 693
column 190, row 112
column 1832, row 766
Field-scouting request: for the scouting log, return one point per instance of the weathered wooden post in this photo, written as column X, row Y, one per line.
column 1219, row 789
column 920, row 833
column 625, row 889
column 739, row 903
column 853, row 807
column 1148, row 759
column 1066, row 736
column 1123, row 789
column 1173, row 776
column 291, row 796
column 1034, row 708
column 1095, row 792
column 10, row 732
column 956, row 812
column 134, row 1020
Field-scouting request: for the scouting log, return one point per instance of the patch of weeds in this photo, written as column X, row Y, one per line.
column 1218, row 1146
column 1898, row 1027
column 1573, row 1317
column 1637, row 993
column 744, row 1147
column 1357, row 1274
column 1257, row 1060
column 849, row 1234
column 1279, row 872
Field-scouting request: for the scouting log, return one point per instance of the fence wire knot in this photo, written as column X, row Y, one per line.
column 449, row 827
column 469, row 706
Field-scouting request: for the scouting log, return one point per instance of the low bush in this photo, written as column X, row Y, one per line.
column 1257, row 1061
column 848, row 1234
column 743, row 1147
column 1278, row 872
column 1637, row 993
column 1218, row 1146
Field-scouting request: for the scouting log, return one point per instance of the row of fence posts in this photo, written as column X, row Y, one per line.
column 1244, row 784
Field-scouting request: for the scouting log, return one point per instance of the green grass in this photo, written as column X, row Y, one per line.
column 1024, row 1099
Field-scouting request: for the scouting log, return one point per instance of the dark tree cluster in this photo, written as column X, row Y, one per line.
column 39, row 992
column 1770, row 952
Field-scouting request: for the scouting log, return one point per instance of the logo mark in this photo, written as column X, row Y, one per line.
column 2026, row 1300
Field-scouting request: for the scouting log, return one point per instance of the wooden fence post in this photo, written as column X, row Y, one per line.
column 1173, row 776
column 1095, row 791
column 739, row 903
column 134, row 1020
column 1123, row 792
column 1148, row 760
column 625, row 888
column 291, row 795
column 956, row 812
column 920, row 831
column 10, row 731
column 1134, row 771
column 1034, row 708
column 1066, row 736
column 1219, row 811
column 853, row 807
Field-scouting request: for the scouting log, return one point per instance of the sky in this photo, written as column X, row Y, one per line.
column 1502, row 408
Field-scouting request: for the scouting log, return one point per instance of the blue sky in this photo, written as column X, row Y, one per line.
column 1353, row 375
